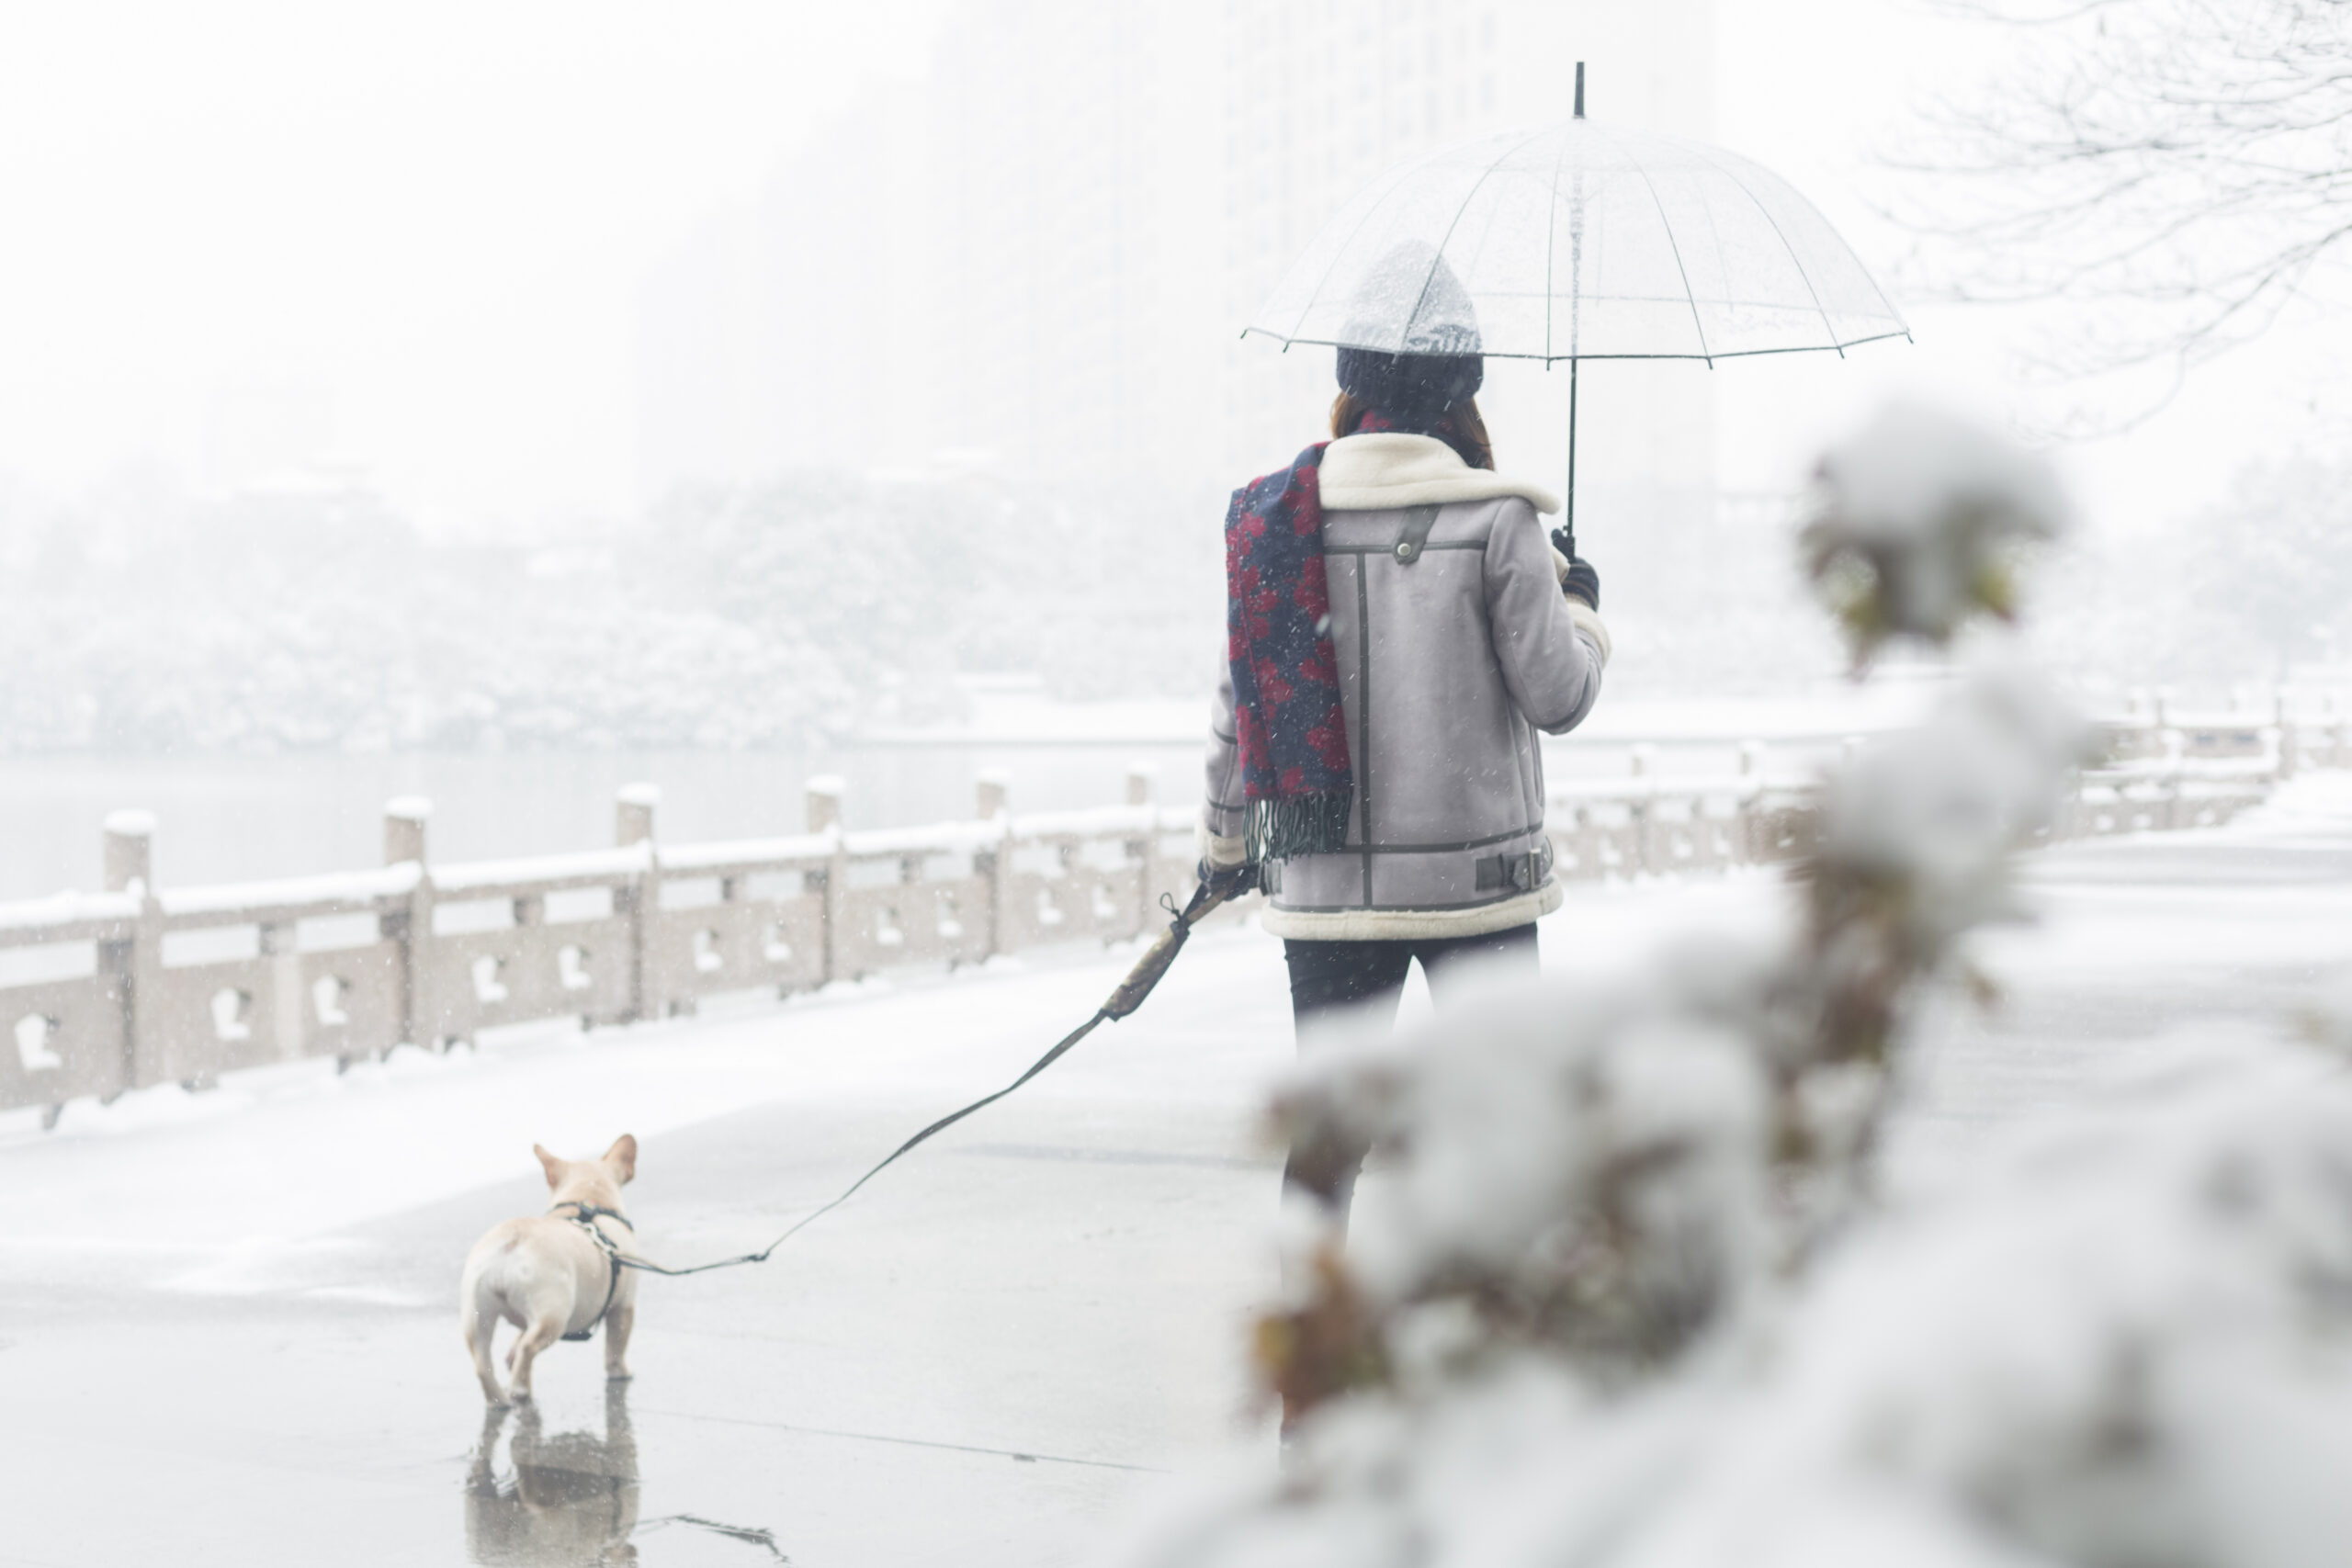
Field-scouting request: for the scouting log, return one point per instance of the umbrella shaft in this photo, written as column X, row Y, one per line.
column 1568, row 524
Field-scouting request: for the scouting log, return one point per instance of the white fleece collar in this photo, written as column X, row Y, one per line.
column 1388, row 468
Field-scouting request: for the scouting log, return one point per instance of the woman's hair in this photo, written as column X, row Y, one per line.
column 1459, row 427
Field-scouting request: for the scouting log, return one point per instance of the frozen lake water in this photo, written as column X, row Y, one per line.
column 233, row 819
column 228, row 818
column 227, row 1321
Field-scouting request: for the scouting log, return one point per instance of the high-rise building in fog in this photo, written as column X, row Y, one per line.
column 1040, row 260
column 788, row 331
column 1076, row 202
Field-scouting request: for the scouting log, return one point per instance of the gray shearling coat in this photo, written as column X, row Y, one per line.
column 1456, row 646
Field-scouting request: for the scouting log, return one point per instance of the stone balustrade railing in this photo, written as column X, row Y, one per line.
column 138, row 986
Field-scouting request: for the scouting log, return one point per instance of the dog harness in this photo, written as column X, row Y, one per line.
column 585, row 1216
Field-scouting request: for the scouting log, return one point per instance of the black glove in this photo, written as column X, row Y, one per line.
column 1582, row 582
column 1226, row 883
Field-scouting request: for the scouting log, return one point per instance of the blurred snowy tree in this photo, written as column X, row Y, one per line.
column 2284, row 569
column 307, row 617
column 2251, row 588
column 1630, row 1296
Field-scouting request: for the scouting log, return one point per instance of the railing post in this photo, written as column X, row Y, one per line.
column 410, row 929
column 128, row 858
column 993, row 802
column 821, row 799
column 1643, row 764
column 405, row 819
column 2135, row 737
column 1751, row 802
column 992, row 794
column 2178, row 812
column 289, row 1016
column 824, row 802
column 633, row 808
column 129, row 851
column 1140, row 778
column 1592, row 852
column 124, row 856
column 2290, row 744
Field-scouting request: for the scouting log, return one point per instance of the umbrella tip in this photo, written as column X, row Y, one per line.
column 1580, row 89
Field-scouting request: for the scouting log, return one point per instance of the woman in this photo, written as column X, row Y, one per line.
column 1399, row 629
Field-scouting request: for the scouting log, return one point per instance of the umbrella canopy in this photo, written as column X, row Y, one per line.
column 1582, row 241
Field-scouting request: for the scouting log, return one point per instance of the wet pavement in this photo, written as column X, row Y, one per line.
column 997, row 1354
column 987, row 1358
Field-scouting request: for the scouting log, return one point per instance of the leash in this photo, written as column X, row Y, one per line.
column 1125, row 998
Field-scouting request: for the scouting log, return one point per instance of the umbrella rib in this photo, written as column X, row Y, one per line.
column 1395, row 178
column 1711, row 357
column 1552, row 243
column 1870, row 278
column 1672, row 244
column 1484, row 175
column 1793, row 259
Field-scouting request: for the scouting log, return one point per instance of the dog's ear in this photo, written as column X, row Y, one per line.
column 554, row 1167
column 622, row 1157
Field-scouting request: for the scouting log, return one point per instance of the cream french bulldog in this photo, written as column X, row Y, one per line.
column 557, row 1275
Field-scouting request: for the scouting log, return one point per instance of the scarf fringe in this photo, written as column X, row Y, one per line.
column 1301, row 824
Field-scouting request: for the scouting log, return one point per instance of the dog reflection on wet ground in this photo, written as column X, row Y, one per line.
column 570, row 1500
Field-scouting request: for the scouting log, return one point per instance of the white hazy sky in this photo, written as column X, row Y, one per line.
column 430, row 219
column 431, row 214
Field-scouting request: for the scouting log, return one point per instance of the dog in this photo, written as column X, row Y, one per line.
column 555, row 1275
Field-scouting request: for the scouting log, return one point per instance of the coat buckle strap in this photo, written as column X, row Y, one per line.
column 1526, row 871
column 1414, row 537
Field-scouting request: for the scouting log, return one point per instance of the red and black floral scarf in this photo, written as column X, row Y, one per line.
column 1296, row 783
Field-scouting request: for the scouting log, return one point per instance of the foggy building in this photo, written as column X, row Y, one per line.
column 1010, row 268
column 1038, row 262
column 1077, row 203
column 787, row 331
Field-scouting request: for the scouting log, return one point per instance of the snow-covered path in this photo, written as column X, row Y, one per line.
column 227, row 1322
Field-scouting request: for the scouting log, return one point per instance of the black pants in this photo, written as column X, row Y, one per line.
column 1365, row 978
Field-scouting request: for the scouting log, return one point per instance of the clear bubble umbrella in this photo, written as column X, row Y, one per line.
column 1581, row 241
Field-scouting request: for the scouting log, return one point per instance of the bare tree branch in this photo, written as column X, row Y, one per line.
column 2182, row 166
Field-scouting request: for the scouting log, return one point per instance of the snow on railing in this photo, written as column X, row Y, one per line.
column 134, row 987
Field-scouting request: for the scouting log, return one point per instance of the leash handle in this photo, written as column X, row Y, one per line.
column 1160, row 955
